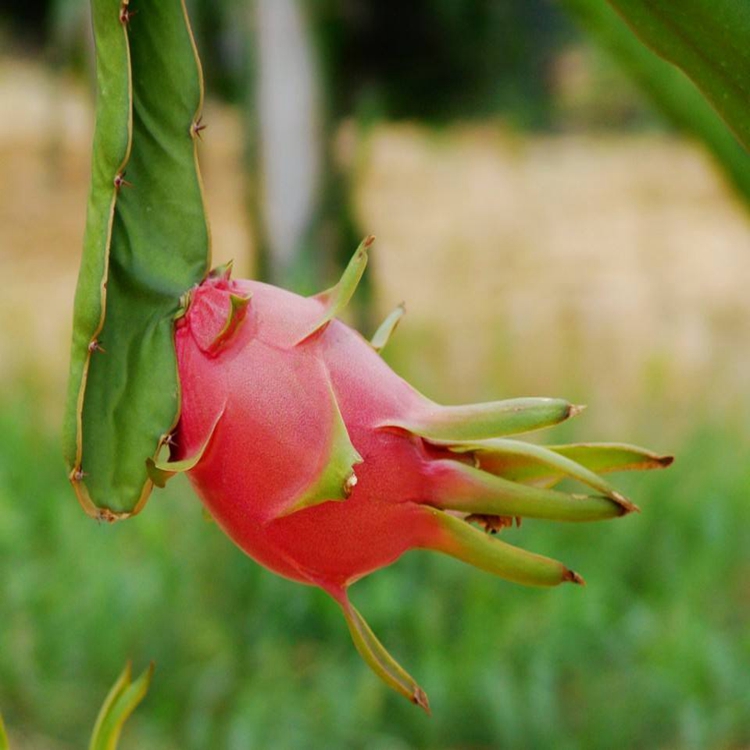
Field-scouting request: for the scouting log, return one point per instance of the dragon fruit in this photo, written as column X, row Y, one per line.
column 323, row 465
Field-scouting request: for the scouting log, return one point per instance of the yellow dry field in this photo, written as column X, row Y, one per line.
column 612, row 265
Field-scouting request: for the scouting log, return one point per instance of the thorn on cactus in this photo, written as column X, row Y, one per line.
column 120, row 181
column 275, row 419
column 197, row 127
column 95, row 346
column 573, row 577
column 125, row 13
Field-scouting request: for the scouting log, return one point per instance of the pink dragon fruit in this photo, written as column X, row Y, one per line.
column 323, row 465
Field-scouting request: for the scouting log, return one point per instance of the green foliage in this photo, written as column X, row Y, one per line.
column 146, row 243
column 121, row 701
column 119, row 704
column 708, row 39
column 653, row 652
column 668, row 88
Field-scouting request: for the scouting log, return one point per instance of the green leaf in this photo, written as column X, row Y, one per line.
column 667, row 87
column 3, row 736
column 145, row 245
column 122, row 700
column 709, row 40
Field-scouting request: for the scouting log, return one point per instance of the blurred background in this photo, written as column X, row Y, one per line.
column 563, row 216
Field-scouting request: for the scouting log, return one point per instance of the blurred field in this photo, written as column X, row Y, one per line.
column 609, row 269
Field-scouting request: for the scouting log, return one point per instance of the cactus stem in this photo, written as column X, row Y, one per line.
column 95, row 346
column 120, row 181
column 197, row 127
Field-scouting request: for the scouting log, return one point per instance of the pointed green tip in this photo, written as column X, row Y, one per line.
column 222, row 272
column 337, row 297
column 379, row 660
column 119, row 704
column 420, row 699
column 570, row 576
column 382, row 336
column 158, row 476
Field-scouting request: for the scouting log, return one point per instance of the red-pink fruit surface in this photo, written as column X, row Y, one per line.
column 273, row 399
column 324, row 465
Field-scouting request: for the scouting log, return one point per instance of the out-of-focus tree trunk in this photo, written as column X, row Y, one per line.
column 299, row 195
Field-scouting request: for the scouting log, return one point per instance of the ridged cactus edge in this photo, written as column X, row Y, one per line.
column 146, row 243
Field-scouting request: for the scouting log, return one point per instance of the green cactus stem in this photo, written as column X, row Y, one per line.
column 146, row 243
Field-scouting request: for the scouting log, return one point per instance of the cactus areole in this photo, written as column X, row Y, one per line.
column 324, row 465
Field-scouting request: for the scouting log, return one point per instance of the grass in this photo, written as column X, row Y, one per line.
column 652, row 653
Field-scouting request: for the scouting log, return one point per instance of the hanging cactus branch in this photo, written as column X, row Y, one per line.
column 146, row 243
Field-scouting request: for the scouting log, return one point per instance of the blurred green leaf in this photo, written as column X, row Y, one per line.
column 146, row 243
column 669, row 89
column 122, row 700
column 3, row 736
column 709, row 40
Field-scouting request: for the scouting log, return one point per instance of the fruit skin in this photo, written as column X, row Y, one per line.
column 323, row 465
column 270, row 443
